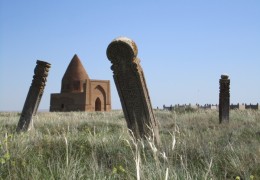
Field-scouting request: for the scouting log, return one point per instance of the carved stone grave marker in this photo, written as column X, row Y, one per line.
column 131, row 86
column 224, row 99
column 34, row 96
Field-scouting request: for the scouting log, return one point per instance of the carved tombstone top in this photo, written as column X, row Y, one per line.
column 40, row 74
column 127, row 49
column 224, row 76
column 131, row 86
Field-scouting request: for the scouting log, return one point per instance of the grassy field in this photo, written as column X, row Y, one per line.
column 79, row 145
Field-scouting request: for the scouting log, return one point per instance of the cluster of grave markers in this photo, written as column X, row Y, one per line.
column 132, row 90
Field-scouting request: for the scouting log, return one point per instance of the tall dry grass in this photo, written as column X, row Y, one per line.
column 81, row 145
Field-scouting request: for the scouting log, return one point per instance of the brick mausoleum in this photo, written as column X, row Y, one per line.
column 79, row 93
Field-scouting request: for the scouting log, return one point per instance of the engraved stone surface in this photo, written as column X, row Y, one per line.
column 131, row 86
column 34, row 96
column 224, row 99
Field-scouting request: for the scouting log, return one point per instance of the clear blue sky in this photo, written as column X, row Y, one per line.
column 184, row 46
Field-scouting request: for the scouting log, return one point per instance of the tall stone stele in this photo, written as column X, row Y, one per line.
column 34, row 96
column 131, row 87
column 224, row 99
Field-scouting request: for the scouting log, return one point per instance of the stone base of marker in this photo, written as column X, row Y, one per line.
column 34, row 96
column 131, row 86
column 224, row 99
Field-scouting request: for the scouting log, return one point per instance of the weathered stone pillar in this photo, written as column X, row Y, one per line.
column 34, row 96
column 131, row 87
column 224, row 99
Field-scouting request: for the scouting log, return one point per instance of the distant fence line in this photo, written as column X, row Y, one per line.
column 242, row 106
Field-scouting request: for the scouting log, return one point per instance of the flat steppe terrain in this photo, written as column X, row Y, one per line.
column 81, row 145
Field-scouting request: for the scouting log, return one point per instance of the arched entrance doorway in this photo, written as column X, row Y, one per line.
column 98, row 104
column 99, row 99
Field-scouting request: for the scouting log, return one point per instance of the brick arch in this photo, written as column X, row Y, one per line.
column 99, row 95
column 98, row 104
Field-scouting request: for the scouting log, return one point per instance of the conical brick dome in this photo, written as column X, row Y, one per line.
column 74, row 74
